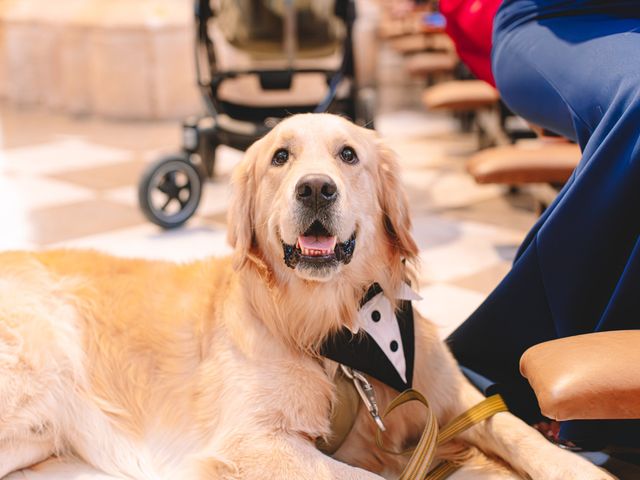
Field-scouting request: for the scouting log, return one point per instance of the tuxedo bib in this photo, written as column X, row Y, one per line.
column 384, row 348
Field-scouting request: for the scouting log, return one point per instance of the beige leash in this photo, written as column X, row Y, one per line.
column 422, row 455
column 352, row 385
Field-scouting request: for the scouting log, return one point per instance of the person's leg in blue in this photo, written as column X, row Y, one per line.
column 574, row 68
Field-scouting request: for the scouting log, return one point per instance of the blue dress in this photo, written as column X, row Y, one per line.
column 572, row 67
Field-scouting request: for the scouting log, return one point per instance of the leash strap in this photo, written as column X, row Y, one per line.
column 476, row 414
column 423, row 454
column 442, row 471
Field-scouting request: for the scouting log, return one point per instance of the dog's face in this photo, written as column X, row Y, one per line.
column 316, row 196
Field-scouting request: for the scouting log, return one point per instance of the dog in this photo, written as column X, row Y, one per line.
column 211, row 370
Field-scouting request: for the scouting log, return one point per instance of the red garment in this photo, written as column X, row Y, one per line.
column 469, row 24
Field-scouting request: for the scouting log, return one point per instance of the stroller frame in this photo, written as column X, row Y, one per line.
column 179, row 177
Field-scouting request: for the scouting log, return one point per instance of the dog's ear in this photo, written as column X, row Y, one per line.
column 240, row 218
column 394, row 204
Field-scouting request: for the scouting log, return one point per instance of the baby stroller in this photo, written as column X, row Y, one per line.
column 257, row 61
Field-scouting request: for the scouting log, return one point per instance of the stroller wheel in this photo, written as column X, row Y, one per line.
column 169, row 191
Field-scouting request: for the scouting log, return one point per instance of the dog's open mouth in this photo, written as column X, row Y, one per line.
column 317, row 246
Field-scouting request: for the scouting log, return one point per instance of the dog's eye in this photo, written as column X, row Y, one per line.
column 348, row 155
column 280, row 157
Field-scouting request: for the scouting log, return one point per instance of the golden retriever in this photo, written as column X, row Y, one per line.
column 210, row 370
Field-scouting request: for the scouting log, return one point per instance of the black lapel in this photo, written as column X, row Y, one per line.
column 405, row 319
column 374, row 290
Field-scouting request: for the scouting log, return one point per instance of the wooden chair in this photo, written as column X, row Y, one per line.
column 428, row 64
column 525, row 162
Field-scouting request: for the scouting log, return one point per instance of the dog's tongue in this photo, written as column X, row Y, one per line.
column 326, row 244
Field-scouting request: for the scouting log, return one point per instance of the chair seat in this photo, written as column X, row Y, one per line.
column 460, row 95
column 525, row 162
column 306, row 89
column 415, row 42
column 419, row 42
column 586, row 377
column 428, row 63
column 389, row 28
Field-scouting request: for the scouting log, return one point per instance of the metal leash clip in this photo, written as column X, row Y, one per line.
column 366, row 392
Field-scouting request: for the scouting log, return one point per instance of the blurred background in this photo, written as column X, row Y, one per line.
column 105, row 115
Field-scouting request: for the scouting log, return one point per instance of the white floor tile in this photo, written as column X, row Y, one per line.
column 414, row 123
column 424, row 152
column 215, row 197
column 461, row 249
column 29, row 192
column 194, row 241
column 461, row 259
column 125, row 195
column 447, row 306
column 66, row 154
column 17, row 235
column 14, row 226
column 446, row 189
column 226, row 159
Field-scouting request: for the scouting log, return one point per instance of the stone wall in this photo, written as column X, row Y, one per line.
column 113, row 58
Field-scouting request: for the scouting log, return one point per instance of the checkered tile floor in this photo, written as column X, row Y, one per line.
column 78, row 189
column 72, row 183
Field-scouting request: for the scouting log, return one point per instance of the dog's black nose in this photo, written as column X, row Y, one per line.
column 316, row 191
